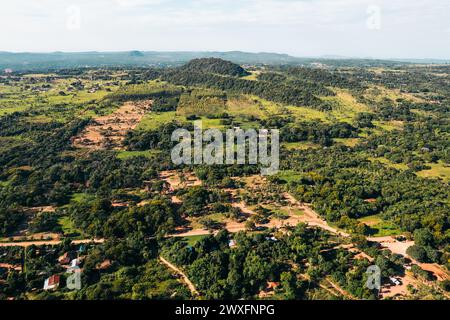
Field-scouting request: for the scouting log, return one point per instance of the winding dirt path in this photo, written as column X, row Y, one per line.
column 311, row 217
column 340, row 290
column 182, row 274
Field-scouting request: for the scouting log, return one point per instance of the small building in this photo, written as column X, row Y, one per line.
column 52, row 283
column 75, row 263
column 232, row 243
column 272, row 285
column 269, row 291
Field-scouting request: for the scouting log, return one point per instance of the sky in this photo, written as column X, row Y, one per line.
column 303, row 28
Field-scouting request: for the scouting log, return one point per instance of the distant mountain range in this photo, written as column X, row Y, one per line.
column 58, row 60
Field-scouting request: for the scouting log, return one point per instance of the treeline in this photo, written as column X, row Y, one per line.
column 157, row 90
column 325, row 77
column 317, row 132
column 317, row 88
column 277, row 92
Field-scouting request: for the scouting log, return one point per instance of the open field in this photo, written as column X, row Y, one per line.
column 380, row 227
column 438, row 170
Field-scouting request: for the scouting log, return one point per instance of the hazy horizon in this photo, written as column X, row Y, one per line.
column 375, row 29
column 325, row 56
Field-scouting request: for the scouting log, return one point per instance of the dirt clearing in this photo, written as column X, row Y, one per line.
column 179, row 180
column 108, row 132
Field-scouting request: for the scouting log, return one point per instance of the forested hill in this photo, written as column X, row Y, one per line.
column 215, row 65
column 61, row 60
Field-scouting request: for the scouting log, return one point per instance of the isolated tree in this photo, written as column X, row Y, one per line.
column 250, row 225
column 423, row 237
column 417, row 252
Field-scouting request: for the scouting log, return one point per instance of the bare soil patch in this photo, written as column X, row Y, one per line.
column 391, row 290
column 436, row 269
column 311, row 218
column 177, row 180
column 108, row 132
column 47, row 243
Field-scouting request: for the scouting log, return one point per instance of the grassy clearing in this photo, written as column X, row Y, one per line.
column 216, row 217
column 303, row 113
column 202, row 102
column 349, row 142
column 284, row 212
column 371, row 220
column 192, row 240
column 270, row 108
column 79, row 97
column 212, row 123
column 384, row 229
column 243, row 107
column 379, row 227
column 130, row 154
column 81, row 197
column 8, row 110
column 389, row 125
column 289, row 175
column 253, row 76
column 56, row 100
column 388, row 163
column 349, row 102
column 68, row 227
column 154, row 120
column 378, row 94
column 299, row 145
column 438, row 170
column 345, row 106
